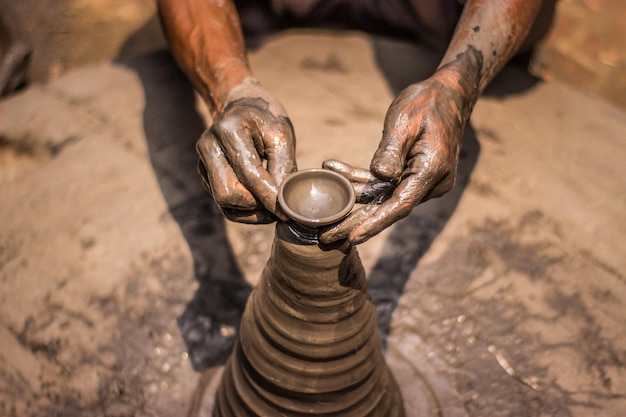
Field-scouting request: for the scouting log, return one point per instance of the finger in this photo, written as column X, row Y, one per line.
column 389, row 159
column 260, row 216
column 409, row 193
column 220, row 177
column 374, row 193
column 343, row 229
column 358, row 175
column 367, row 187
column 239, row 149
column 402, row 128
column 280, row 149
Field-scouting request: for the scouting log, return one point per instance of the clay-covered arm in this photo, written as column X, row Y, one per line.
column 493, row 30
column 250, row 147
column 206, row 39
column 423, row 131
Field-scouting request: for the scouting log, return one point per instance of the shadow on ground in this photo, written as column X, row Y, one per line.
column 403, row 64
column 172, row 125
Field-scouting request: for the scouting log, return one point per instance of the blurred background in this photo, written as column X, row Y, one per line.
column 585, row 48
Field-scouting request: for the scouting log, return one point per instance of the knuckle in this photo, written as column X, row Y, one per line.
column 207, row 147
column 222, row 199
column 234, row 199
column 441, row 165
column 227, row 123
column 439, row 161
column 203, row 142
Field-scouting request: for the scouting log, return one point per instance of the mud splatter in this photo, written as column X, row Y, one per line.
column 487, row 312
column 128, row 372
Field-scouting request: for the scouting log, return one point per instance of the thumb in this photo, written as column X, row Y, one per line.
column 389, row 159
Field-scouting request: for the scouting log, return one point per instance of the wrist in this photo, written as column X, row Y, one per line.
column 250, row 87
column 216, row 83
column 462, row 77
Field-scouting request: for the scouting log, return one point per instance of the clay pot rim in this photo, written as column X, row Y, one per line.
column 323, row 221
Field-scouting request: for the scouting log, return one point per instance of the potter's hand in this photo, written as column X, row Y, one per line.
column 418, row 154
column 246, row 154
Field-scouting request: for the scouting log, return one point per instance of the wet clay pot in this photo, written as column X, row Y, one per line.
column 308, row 343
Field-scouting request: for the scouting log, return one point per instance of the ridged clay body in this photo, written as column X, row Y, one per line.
column 308, row 343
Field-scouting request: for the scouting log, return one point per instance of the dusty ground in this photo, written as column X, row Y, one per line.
column 501, row 299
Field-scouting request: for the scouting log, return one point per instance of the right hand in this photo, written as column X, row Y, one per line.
column 246, row 154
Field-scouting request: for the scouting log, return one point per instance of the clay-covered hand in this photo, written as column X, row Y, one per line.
column 417, row 156
column 246, row 154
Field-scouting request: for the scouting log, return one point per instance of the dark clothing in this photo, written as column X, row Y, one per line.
column 430, row 21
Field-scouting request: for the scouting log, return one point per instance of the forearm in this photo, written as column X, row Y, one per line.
column 207, row 42
column 490, row 32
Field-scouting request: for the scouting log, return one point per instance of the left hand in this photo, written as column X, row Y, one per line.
column 418, row 154
column 246, row 154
